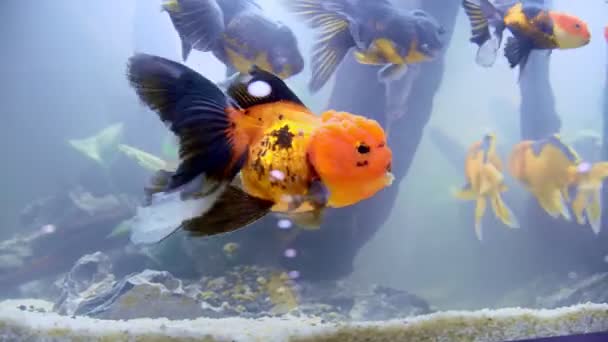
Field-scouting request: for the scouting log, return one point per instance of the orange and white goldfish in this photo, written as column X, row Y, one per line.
column 549, row 168
column 485, row 181
column 252, row 150
column 532, row 27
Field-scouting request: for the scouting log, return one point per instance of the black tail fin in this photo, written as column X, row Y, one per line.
column 197, row 111
column 199, row 23
column 334, row 40
column 483, row 16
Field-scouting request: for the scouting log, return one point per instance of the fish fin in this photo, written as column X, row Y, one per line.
column 231, row 72
column 308, row 220
column 480, row 209
column 599, row 172
column 260, row 87
column 166, row 211
column 158, row 182
column 234, row 209
column 170, row 6
column 392, row 72
column 517, row 52
column 198, row 112
column 466, row 193
column 482, row 17
column 503, row 212
column 335, row 38
column 563, row 206
column 594, row 211
column 328, row 52
column 199, row 23
column 579, row 204
column 186, row 49
column 317, row 194
column 546, row 202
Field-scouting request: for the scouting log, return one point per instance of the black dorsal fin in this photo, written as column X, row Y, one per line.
column 260, row 87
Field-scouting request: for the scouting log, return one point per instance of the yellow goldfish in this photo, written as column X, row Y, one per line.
column 485, row 181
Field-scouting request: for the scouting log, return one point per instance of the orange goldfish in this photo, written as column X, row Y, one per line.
column 549, row 168
column 532, row 27
column 587, row 205
column 252, row 150
column 485, row 181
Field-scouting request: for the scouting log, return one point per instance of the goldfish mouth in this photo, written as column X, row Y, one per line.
column 389, row 178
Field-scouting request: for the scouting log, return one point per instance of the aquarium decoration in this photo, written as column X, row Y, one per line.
column 102, row 146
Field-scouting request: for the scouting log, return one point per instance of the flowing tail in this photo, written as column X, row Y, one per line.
column 587, row 204
column 503, row 212
column 553, row 203
column 483, row 16
column 490, row 187
column 198, row 195
column 334, row 38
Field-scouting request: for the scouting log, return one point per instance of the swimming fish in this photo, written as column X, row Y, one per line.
column 547, row 168
column 379, row 33
column 238, row 33
column 532, row 28
column 252, row 150
column 485, row 181
column 587, row 204
column 551, row 169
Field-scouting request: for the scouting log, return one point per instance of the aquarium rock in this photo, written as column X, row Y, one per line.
column 90, row 277
column 589, row 289
column 244, row 291
column 149, row 294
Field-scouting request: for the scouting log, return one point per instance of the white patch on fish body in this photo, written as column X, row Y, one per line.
column 259, row 89
column 166, row 214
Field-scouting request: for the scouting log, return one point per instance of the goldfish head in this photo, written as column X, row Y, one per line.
column 284, row 55
column 570, row 31
column 350, row 156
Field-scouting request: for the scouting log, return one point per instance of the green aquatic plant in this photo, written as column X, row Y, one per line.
column 102, row 146
column 170, row 148
column 146, row 160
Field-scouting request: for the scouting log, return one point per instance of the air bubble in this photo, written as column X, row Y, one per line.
column 290, row 253
column 284, row 224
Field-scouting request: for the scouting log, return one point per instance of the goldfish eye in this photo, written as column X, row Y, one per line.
column 363, row 148
column 577, row 26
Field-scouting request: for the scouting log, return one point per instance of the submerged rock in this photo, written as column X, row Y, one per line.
column 89, row 278
column 242, row 291
column 590, row 289
column 150, row 294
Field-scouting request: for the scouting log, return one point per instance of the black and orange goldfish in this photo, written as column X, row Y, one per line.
column 238, row 33
column 532, row 27
column 378, row 33
column 251, row 150
column 485, row 182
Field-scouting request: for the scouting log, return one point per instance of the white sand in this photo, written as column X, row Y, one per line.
column 483, row 325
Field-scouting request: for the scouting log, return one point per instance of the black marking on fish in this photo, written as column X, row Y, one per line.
column 363, row 163
column 284, row 138
column 539, row 145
